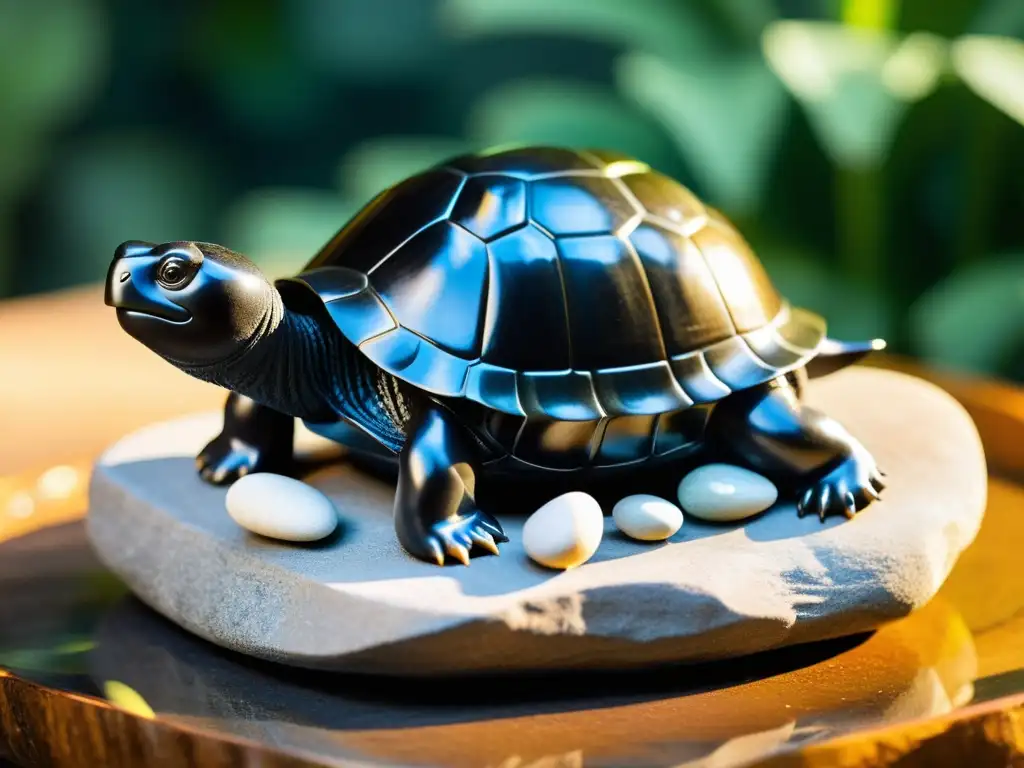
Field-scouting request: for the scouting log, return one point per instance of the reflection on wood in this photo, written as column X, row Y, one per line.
column 36, row 500
column 985, row 735
column 81, row 732
column 745, row 707
column 987, row 584
column 909, row 669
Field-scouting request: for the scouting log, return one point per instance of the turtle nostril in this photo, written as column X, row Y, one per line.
column 124, row 276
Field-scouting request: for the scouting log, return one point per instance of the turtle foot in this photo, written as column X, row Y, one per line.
column 225, row 460
column 846, row 490
column 456, row 537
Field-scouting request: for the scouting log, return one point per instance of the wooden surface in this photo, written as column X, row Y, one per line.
column 943, row 686
column 73, row 381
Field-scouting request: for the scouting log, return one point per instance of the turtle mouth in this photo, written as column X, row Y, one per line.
column 132, row 314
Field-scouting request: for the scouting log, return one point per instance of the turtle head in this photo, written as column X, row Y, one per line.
column 191, row 303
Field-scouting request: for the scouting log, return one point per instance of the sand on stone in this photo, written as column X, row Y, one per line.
column 357, row 601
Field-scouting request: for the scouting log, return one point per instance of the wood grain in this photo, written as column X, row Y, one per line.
column 986, row 736
column 84, row 732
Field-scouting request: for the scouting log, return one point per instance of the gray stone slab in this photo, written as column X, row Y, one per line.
column 358, row 602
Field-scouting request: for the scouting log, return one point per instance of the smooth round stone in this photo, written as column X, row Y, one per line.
column 565, row 532
column 722, row 493
column 280, row 507
column 646, row 517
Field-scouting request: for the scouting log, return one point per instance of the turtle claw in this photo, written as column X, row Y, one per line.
column 851, row 505
column 825, row 501
column 225, row 460
column 846, row 490
column 457, row 536
column 486, row 541
column 458, row 551
column 435, row 550
column 803, row 506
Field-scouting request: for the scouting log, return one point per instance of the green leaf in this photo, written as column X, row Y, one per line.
column 53, row 57
column 68, row 657
column 852, row 311
column 281, row 229
column 999, row 17
column 368, row 41
column 7, row 250
column 747, row 18
column 993, row 67
column 947, row 18
column 725, row 119
column 21, row 155
column 127, row 698
column 563, row 113
column 854, row 84
column 869, row 14
column 671, row 29
column 375, row 165
column 974, row 319
column 119, row 187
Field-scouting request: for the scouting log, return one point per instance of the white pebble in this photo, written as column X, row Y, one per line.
column 565, row 532
column 647, row 518
column 280, row 507
column 724, row 493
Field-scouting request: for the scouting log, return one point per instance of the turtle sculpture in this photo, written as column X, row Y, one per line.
column 526, row 313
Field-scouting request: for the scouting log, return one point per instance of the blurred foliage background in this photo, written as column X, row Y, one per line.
column 871, row 150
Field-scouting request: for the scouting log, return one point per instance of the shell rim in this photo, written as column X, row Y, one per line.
column 704, row 375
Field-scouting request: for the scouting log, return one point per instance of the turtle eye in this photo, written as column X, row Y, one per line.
column 174, row 273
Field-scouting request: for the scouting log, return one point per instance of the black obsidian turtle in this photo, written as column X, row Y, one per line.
column 525, row 312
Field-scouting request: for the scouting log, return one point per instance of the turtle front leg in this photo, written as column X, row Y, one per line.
column 254, row 438
column 435, row 508
column 798, row 448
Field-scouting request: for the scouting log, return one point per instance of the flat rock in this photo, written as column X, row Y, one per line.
column 357, row 602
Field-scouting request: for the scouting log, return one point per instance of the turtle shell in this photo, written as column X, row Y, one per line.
column 573, row 285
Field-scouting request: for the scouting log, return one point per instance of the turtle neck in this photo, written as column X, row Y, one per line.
column 301, row 365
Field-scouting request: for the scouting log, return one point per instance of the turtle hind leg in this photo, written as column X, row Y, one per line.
column 436, row 514
column 254, row 438
column 800, row 449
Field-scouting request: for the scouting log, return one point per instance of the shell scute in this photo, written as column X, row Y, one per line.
column 743, row 282
column 389, row 220
column 580, row 205
column 690, row 307
column 438, row 286
column 667, row 201
column 489, row 206
column 546, row 282
column 525, row 294
column 612, row 320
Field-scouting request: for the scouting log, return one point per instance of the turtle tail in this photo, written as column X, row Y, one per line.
column 833, row 355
